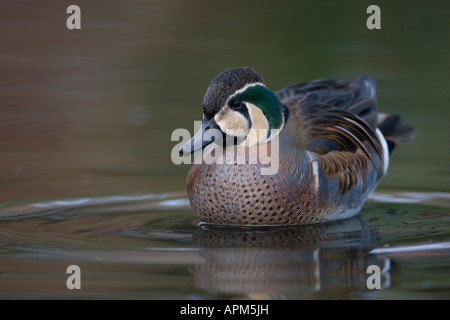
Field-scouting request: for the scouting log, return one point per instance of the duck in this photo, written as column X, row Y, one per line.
column 311, row 152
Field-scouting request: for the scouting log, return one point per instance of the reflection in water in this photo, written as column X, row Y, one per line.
column 322, row 261
column 149, row 246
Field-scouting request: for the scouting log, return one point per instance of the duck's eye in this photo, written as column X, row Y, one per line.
column 236, row 104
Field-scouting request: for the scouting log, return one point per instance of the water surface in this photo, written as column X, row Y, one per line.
column 151, row 246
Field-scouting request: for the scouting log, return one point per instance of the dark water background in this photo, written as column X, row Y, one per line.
column 86, row 176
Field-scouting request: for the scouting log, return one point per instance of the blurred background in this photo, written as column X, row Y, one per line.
column 90, row 112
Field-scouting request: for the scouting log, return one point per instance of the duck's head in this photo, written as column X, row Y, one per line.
column 239, row 108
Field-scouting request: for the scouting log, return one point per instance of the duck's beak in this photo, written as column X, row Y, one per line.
column 197, row 142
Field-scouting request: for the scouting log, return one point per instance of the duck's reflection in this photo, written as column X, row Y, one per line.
column 324, row 261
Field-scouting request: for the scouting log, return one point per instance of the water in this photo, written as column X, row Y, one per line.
column 150, row 246
column 87, row 179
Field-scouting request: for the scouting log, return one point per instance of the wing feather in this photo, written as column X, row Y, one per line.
column 337, row 119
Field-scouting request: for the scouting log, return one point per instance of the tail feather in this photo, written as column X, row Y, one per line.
column 394, row 131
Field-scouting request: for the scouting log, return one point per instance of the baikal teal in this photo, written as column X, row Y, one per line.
column 333, row 148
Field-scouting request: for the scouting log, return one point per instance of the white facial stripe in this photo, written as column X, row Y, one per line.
column 243, row 89
column 260, row 126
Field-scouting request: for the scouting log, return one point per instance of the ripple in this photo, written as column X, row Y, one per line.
column 437, row 198
column 177, row 200
column 438, row 248
column 115, row 203
column 93, row 201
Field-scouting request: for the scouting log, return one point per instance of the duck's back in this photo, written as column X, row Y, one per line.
column 335, row 115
